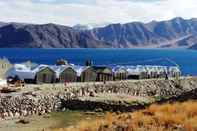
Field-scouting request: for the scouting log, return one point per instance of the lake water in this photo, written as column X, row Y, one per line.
column 186, row 59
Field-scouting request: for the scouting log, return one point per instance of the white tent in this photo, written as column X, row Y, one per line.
column 133, row 70
column 24, row 72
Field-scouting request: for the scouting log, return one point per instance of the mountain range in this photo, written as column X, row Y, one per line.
column 174, row 33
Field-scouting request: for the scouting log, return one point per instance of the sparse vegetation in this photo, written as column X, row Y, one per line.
column 167, row 117
column 159, row 98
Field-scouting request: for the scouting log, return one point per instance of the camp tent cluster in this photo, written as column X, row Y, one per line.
column 72, row 73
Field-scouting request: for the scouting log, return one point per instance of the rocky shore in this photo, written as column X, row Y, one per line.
column 29, row 103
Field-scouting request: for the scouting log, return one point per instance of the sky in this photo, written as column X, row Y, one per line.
column 95, row 12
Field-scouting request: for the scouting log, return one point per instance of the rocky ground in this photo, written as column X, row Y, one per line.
column 41, row 99
column 48, row 122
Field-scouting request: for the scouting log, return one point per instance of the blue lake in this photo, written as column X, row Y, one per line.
column 186, row 59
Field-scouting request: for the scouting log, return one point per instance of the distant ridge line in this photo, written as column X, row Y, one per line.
column 174, row 33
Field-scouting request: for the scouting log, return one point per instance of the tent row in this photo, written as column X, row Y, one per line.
column 42, row 73
column 72, row 73
column 149, row 71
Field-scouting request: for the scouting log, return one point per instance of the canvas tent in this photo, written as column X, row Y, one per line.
column 119, row 73
column 85, row 73
column 38, row 74
column 21, row 71
column 174, row 71
column 65, row 73
column 103, row 73
column 133, row 72
column 44, row 74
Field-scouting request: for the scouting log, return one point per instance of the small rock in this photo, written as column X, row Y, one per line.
column 99, row 110
column 23, row 121
column 92, row 94
column 47, row 116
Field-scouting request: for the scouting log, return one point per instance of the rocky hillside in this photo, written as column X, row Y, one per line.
column 174, row 33
column 46, row 36
column 177, row 32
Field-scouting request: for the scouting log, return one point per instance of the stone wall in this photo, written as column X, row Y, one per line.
column 161, row 87
column 29, row 104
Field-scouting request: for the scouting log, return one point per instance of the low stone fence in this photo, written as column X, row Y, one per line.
column 165, row 90
column 160, row 87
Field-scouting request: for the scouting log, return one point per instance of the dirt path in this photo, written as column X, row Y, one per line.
column 49, row 122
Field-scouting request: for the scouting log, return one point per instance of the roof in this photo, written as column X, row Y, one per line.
column 40, row 67
column 24, row 71
column 30, row 64
column 174, row 69
column 147, row 68
column 133, row 70
column 59, row 69
column 80, row 69
column 156, row 69
column 100, row 68
column 118, row 69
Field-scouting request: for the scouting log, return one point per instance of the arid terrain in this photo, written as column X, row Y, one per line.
column 137, row 98
column 167, row 117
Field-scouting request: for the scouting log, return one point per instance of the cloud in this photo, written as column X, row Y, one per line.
column 71, row 12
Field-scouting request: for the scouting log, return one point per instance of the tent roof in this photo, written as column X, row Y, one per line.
column 22, row 71
column 118, row 69
column 59, row 69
